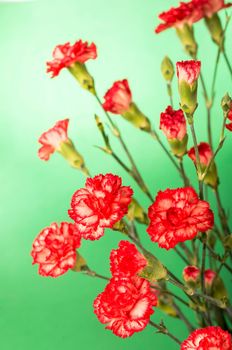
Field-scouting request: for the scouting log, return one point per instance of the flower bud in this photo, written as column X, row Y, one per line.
column 167, row 69
column 118, row 100
column 209, row 277
column 186, row 36
column 136, row 212
column 206, row 154
column 173, row 125
column 214, row 26
column 227, row 242
column 188, row 73
column 80, row 72
column 226, row 103
column 191, row 275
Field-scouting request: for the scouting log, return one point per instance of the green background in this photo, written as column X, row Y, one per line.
column 43, row 313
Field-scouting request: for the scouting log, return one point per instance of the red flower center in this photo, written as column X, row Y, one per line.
column 175, row 216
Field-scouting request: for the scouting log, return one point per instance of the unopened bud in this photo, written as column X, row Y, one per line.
column 226, row 103
column 214, row 26
column 167, row 69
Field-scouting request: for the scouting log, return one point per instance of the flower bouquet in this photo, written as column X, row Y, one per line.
column 180, row 219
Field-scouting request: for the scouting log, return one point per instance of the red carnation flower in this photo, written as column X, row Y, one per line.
column 178, row 215
column 209, row 277
column 54, row 249
column 65, row 55
column 52, row 139
column 173, row 123
column 209, row 7
column 118, row 98
column 125, row 306
column 229, row 126
column 188, row 71
column 177, row 17
column 191, row 273
column 205, row 153
column 99, row 205
column 126, row 260
column 208, row 338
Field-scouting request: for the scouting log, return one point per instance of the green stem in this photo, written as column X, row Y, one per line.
column 227, row 62
column 183, row 174
column 221, row 212
column 198, row 164
column 162, row 329
column 137, row 176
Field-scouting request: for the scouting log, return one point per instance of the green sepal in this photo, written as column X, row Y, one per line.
column 137, row 118
column 154, row 271
column 80, row 72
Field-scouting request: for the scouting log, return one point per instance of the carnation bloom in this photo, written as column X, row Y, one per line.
column 208, row 338
column 191, row 273
column 229, row 125
column 126, row 260
column 177, row 17
column 178, row 215
column 118, row 98
column 100, row 204
column 209, row 7
column 125, row 306
column 52, row 139
column 188, row 71
column 205, row 153
column 54, row 249
column 65, row 55
column 173, row 123
column 209, row 277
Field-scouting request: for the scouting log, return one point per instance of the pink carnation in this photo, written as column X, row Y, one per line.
column 118, row 98
column 65, row 55
column 178, row 215
column 54, row 249
column 177, row 17
column 229, row 125
column 188, row 71
column 173, row 123
column 100, row 204
column 125, row 306
column 126, row 260
column 52, row 139
column 209, row 277
column 205, row 153
column 208, row 338
column 191, row 273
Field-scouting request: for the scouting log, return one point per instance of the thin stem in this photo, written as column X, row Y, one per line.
column 227, row 62
column 169, row 88
column 198, row 164
column 221, row 212
column 218, row 258
column 162, row 329
column 137, row 176
column 164, row 291
column 181, row 256
column 91, row 273
column 156, row 137
column 183, row 318
column 183, row 174
column 203, row 265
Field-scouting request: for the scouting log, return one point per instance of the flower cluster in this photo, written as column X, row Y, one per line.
column 126, row 304
column 66, row 55
column 178, row 215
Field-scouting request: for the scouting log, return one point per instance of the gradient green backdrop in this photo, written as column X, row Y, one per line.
column 55, row 314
